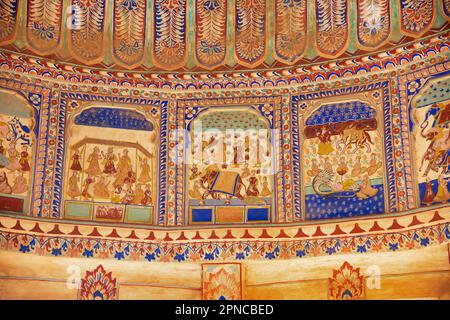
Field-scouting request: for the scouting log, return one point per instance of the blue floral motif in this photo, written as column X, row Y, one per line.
column 24, row 248
column 240, row 256
column 88, row 253
column 330, row 250
column 300, row 253
column 424, row 241
column 150, row 256
column 209, row 256
column 393, row 246
column 361, row 249
column 270, row 255
column 180, row 257
column 56, row 252
column 119, row 255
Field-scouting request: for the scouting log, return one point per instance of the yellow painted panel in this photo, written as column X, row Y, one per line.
column 129, row 292
column 35, row 290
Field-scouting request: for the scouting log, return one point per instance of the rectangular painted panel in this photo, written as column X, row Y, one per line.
column 78, row 210
column 139, row 214
column 201, row 215
column 257, row 214
column 12, row 204
column 230, row 215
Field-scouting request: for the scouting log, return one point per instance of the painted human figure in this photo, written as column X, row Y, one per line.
column 3, row 159
column 117, row 193
column 265, row 192
column 110, row 157
column 4, row 185
column 73, row 188
column 252, row 189
column 101, row 188
column 13, row 155
column 20, row 184
column 93, row 160
column 147, row 200
column 324, row 136
column 25, row 165
column 129, row 196
column 429, row 193
column 139, row 195
column 442, row 193
column 130, row 178
column 327, row 165
column 144, row 177
column 314, row 168
column 76, row 165
column 123, row 167
column 374, row 165
column 342, row 168
column 87, row 183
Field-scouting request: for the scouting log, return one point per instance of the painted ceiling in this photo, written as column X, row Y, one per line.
column 219, row 35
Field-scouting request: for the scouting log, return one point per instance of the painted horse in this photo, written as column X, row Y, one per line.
column 216, row 182
column 20, row 131
column 358, row 137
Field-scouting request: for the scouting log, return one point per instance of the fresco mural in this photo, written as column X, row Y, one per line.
column 111, row 176
column 343, row 161
column 230, row 167
column 431, row 130
column 17, row 142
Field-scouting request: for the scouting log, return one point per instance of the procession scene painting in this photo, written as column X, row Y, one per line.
column 111, row 176
column 230, row 167
column 16, row 153
column 431, row 130
column 343, row 170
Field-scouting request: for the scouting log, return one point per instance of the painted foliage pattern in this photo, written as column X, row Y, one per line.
column 221, row 282
column 416, row 15
column 44, row 20
column 170, row 32
column 291, row 25
column 374, row 20
column 129, row 30
column 347, row 283
column 250, row 30
column 211, row 31
column 331, row 26
column 214, row 249
column 249, row 37
column 98, row 285
column 87, row 28
column 446, row 6
column 8, row 16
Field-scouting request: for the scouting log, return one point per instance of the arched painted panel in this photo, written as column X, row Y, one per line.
column 416, row 16
column 374, row 22
column 332, row 27
column 250, row 31
column 8, row 21
column 211, row 34
column 170, row 32
column 44, row 20
column 290, row 29
column 129, row 31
